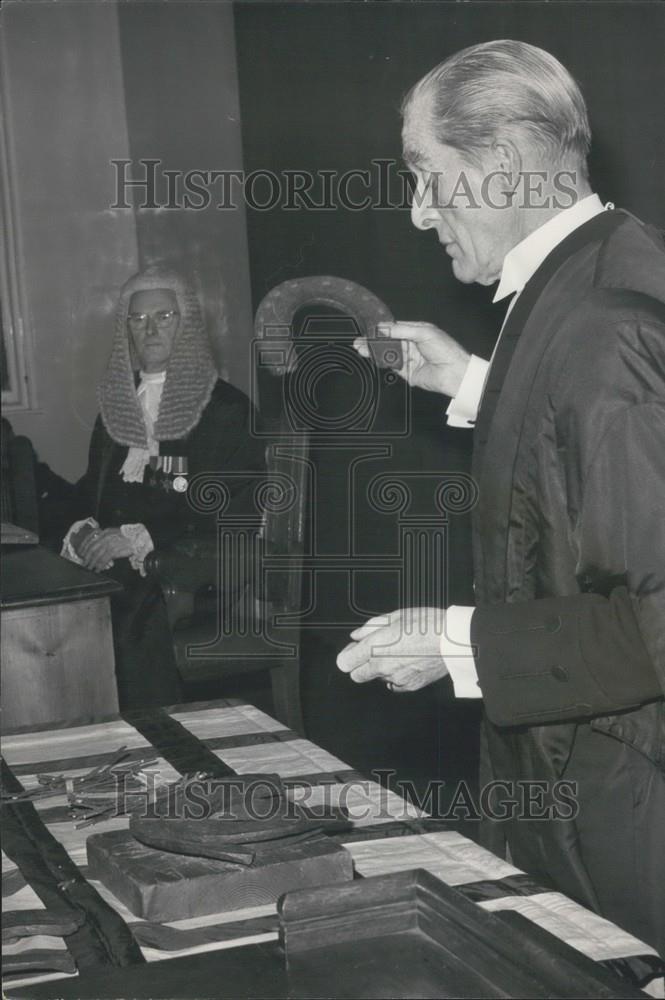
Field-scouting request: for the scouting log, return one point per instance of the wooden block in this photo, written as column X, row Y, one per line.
column 160, row 885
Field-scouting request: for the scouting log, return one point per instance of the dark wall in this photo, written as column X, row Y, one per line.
column 320, row 89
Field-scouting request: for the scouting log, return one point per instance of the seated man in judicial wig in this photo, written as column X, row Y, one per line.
column 165, row 416
column 566, row 644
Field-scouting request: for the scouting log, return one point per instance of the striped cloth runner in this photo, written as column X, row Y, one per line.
column 389, row 834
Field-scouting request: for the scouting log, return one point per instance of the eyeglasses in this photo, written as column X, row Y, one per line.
column 161, row 319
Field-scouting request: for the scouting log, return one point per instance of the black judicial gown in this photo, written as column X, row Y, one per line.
column 569, row 569
column 222, row 441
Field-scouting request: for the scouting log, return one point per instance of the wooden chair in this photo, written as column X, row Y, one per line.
column 221, row 608
column 252, row 572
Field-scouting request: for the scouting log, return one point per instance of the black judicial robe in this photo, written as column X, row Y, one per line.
column 222, row 441
column 569, row 565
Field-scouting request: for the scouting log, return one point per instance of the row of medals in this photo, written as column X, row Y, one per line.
column 170, row 472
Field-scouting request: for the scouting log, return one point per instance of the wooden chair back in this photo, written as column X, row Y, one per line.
column 286, row 526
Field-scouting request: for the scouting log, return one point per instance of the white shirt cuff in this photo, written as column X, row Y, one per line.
column 457, row 652
column 139, row 536
column 463, row 408
column 68, row 551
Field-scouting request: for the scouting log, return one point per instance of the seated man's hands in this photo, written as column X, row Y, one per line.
column 101, row 548
column 402, row 649
column 432, row 359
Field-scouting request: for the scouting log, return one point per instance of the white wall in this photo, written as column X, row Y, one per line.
column 66, row 122
column 87, row 83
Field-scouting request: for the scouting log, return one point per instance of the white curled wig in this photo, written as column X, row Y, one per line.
column 190, row 376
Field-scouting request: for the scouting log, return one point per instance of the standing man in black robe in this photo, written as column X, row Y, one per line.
column 566, row 644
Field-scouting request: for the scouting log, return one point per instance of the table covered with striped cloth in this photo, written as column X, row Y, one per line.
column 44, row 861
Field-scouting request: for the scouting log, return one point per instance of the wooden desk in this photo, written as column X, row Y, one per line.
column 115, row 954
column 57, row 644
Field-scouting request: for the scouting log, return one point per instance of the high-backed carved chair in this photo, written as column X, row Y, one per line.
column 254, row 570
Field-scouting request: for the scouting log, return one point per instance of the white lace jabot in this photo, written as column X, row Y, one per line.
column 149, row 393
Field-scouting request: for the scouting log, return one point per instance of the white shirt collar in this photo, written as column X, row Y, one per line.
column 523, row 260
column 154, row 377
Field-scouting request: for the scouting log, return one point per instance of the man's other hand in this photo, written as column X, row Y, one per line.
column 433, row 360
column 401, row 649
column 101, row 548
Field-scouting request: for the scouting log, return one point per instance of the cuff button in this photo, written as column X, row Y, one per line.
column 559, row 673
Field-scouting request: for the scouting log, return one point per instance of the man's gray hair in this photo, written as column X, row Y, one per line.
column 509, row 88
